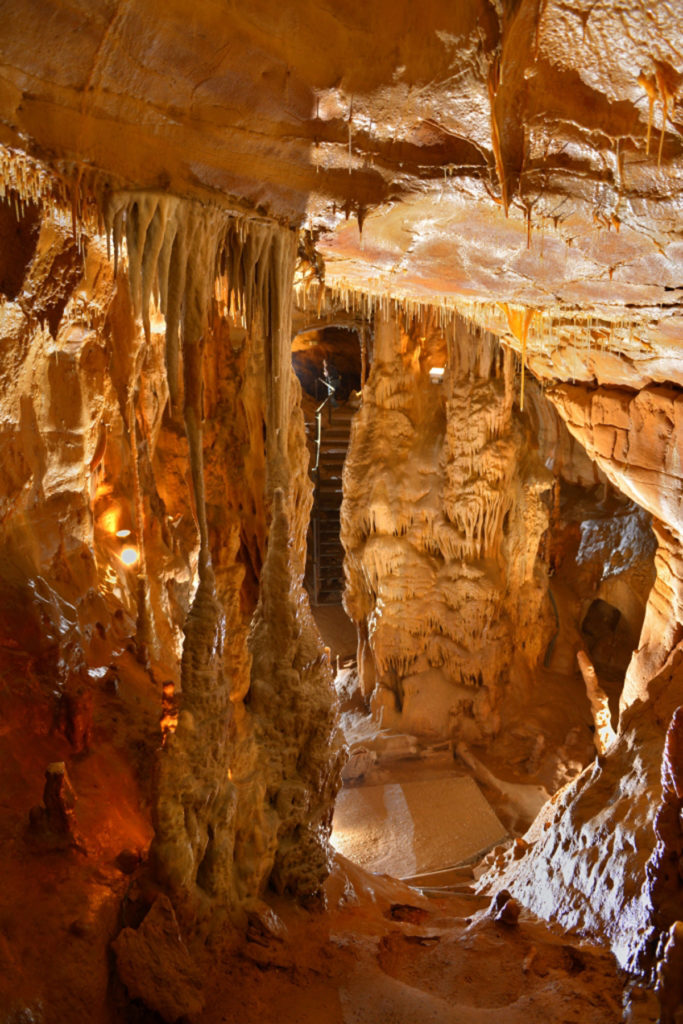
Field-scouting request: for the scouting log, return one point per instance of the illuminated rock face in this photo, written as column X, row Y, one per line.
column 520, row 162
column 442, row 519
column 586, row 863
column 137, row 498
column 635, row 438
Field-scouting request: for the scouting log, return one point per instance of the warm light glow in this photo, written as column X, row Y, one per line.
column 123, row 533
column 436, row 373
column 129, row 556
column 169, row 723
column 109, row 520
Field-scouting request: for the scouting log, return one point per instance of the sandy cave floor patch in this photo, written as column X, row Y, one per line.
column 399, row 828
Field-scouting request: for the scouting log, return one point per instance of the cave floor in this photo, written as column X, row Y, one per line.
column 382, row 953
column 374, row 951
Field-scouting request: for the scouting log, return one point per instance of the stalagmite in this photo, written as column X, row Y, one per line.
column 463, row 205
column 259, row 261
column 424, row 562
column 604, row 733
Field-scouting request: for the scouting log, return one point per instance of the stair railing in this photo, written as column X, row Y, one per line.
column 315, row 521
column 319, row 422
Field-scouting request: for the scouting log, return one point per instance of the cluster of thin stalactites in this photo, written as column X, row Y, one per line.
column 181, row 253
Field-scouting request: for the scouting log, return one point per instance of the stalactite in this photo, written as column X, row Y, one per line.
column 182, row 248
column 146, row 638
column 150, row 260
column 519, row 321
column 493, row 83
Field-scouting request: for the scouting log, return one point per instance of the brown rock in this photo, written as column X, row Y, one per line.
column 53, row 823
column 509, row 912
column 669, row 984
column 155, row 966
column 663, row 870
column 499, row 901
column 127, row 861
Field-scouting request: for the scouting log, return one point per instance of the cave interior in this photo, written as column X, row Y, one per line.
column 341, row 512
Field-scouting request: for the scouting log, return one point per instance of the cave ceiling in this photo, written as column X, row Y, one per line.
column 527, row 153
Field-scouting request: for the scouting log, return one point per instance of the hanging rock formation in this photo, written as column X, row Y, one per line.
column 127, row 431
column 466, row 184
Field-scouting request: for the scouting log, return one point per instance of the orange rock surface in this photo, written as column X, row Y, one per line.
column 486, row 194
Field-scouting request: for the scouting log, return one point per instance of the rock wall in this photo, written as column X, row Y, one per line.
column 584, row 860
column 635, row 439
column 83, row 392
column 442, row 518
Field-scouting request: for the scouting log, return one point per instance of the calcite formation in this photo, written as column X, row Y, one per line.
column 441, row 522
column 98, row 411
column 487, row 195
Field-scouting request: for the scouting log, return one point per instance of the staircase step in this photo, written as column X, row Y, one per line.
column 335, row 434
column 340, row 417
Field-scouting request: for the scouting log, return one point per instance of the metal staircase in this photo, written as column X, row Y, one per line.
column 325, row 572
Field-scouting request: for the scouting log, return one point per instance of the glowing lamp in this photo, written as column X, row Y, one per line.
column 129, row 556
column 436, row 373
column 123, row 533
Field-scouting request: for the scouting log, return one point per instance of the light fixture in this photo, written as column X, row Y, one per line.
column 123, row 533
column 436, row 373
column 129, row 556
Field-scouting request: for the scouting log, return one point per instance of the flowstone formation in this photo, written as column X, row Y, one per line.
column 443, row 514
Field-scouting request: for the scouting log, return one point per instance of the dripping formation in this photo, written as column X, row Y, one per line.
column 461, row 225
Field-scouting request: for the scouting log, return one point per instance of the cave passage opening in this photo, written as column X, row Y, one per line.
column 588, row 581
column 328, row 363
column 610, row 642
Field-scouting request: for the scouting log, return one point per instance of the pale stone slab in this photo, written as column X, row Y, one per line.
column 408, row 828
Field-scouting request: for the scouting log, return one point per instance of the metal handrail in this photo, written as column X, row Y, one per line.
column 315, row 520
column 319, row 421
